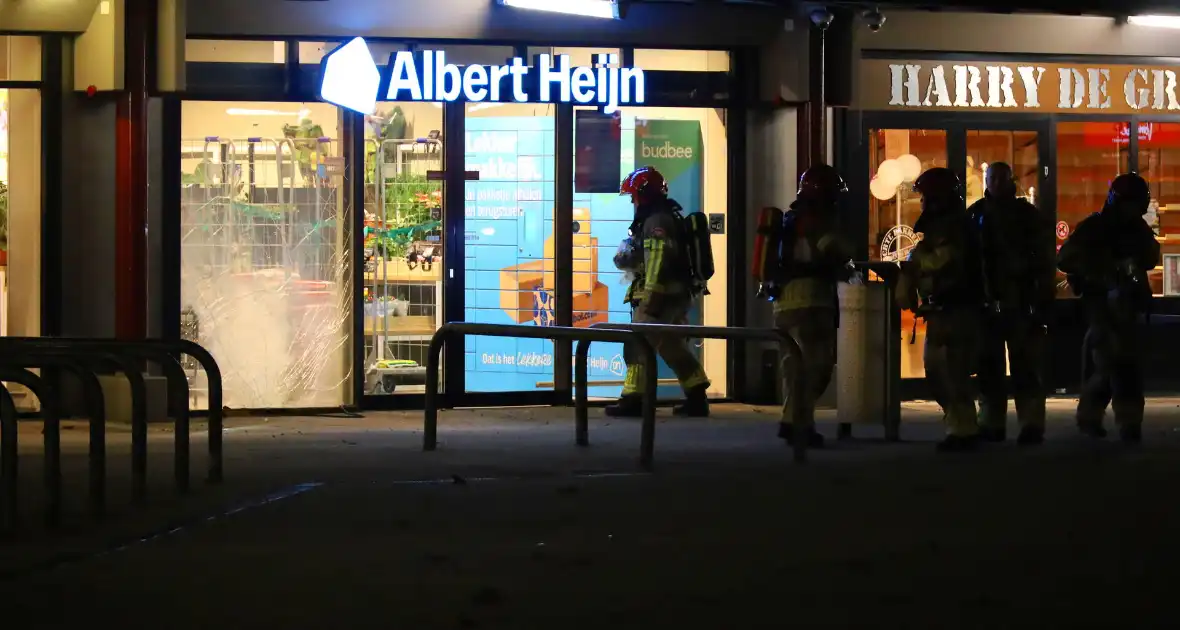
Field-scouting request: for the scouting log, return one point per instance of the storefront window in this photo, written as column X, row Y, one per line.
column 1159, row 163
column 578, row 56
column 403, row 254
column 1019, row 149
column 509, row 242
column 234, row 51
column 682, row 60
column 265, row 271
column 689, row 147
column 1089, row 156
column 313, row 52
column 20, row 58
column 896, row 158
column 20, row 220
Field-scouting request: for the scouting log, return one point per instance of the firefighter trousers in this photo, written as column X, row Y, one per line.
column 1023, row 338
column 815, row 331
column 952, row 340
column 674, row 350
column 1112, row 373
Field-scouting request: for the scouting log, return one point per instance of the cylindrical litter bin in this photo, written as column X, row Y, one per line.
column 862, row 354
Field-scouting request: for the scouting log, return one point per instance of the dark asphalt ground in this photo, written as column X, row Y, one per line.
column 345, row 523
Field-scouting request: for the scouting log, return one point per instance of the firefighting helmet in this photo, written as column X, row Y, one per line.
column 1129, row 188
column 937, row 183
column 644, row 184
column 821, row 183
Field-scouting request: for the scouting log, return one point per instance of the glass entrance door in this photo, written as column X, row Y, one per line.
column 509, row 243
column 403, row 246
column 898, row 153
column 896, row 158
column 1021, row 150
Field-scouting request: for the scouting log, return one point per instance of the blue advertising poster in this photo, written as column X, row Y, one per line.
column 509, row 227
column 509, row 251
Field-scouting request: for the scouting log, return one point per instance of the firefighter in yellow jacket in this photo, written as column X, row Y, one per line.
column 942, row 282
column 662, row 291
column 812, row 259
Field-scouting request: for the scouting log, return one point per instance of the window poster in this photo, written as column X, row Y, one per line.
column 599, row 148
column 510, row 263
column 674, row 148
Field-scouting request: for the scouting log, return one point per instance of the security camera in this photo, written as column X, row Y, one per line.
column 822, row 18
column 874, row 20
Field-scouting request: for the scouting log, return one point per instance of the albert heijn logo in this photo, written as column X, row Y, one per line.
column 351, row 79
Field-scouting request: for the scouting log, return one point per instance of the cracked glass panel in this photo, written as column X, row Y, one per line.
column 265, row 255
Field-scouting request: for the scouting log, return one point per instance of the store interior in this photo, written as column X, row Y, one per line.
column 1088, row 156
column 266, row 278
column 20, row 195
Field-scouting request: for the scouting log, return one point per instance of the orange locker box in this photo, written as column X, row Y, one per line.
column 517, row 295
column 585, row 262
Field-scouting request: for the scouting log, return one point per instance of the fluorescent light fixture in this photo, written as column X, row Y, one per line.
column 606, row 9
column 236, row 111
column 1155, row 21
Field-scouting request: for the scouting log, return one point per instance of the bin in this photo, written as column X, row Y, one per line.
column 862, row 384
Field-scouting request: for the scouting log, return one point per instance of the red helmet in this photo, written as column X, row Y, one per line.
column 644, row 184
column 938, row 182
column 1129, row 187
column 821, row 183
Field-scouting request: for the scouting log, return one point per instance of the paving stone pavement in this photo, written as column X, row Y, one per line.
column 345, row 523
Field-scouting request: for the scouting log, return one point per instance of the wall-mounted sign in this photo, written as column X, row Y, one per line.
column 1009, row 86
column 350, row 78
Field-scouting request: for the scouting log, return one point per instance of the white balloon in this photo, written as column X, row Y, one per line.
column 890, row 170
column 881, row 189
column 911, row 167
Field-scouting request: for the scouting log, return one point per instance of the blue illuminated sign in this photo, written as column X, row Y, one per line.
column 351, row 79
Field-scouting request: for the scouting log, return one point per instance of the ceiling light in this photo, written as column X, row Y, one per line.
column 1156, row 21
column 235, row 111
column 607, row 9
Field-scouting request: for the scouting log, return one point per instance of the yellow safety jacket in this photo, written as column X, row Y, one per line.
column 825, row 254
column 665, row 269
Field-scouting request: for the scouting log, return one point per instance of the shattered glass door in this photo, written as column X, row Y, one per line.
column 265, row 272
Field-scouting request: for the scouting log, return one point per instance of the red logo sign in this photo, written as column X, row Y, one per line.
column 1062, row 230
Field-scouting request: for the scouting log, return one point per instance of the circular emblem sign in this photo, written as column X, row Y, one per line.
column 1062, row 229
column 898, row 242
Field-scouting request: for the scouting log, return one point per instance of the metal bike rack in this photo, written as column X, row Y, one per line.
column 8, row 461
column 582, row 335
column 697, row 332
column 52, row 439
column 82, row 356
column 95, row 404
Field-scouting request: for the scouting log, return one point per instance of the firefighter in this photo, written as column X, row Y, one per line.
column 813, row 258
column 942, row 282
column 1018, row 268
column 661, row 292
column 1106, row 260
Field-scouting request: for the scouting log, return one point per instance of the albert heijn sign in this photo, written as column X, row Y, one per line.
column 1017, row 87
column 351, row 78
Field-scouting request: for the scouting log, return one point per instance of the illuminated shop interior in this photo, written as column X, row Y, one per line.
column 267, row 246
column 20, row 193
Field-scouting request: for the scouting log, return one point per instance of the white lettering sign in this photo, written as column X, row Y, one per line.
column 1024, row 86
column 912, row 85
column 429, row 77
column 351, row 79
